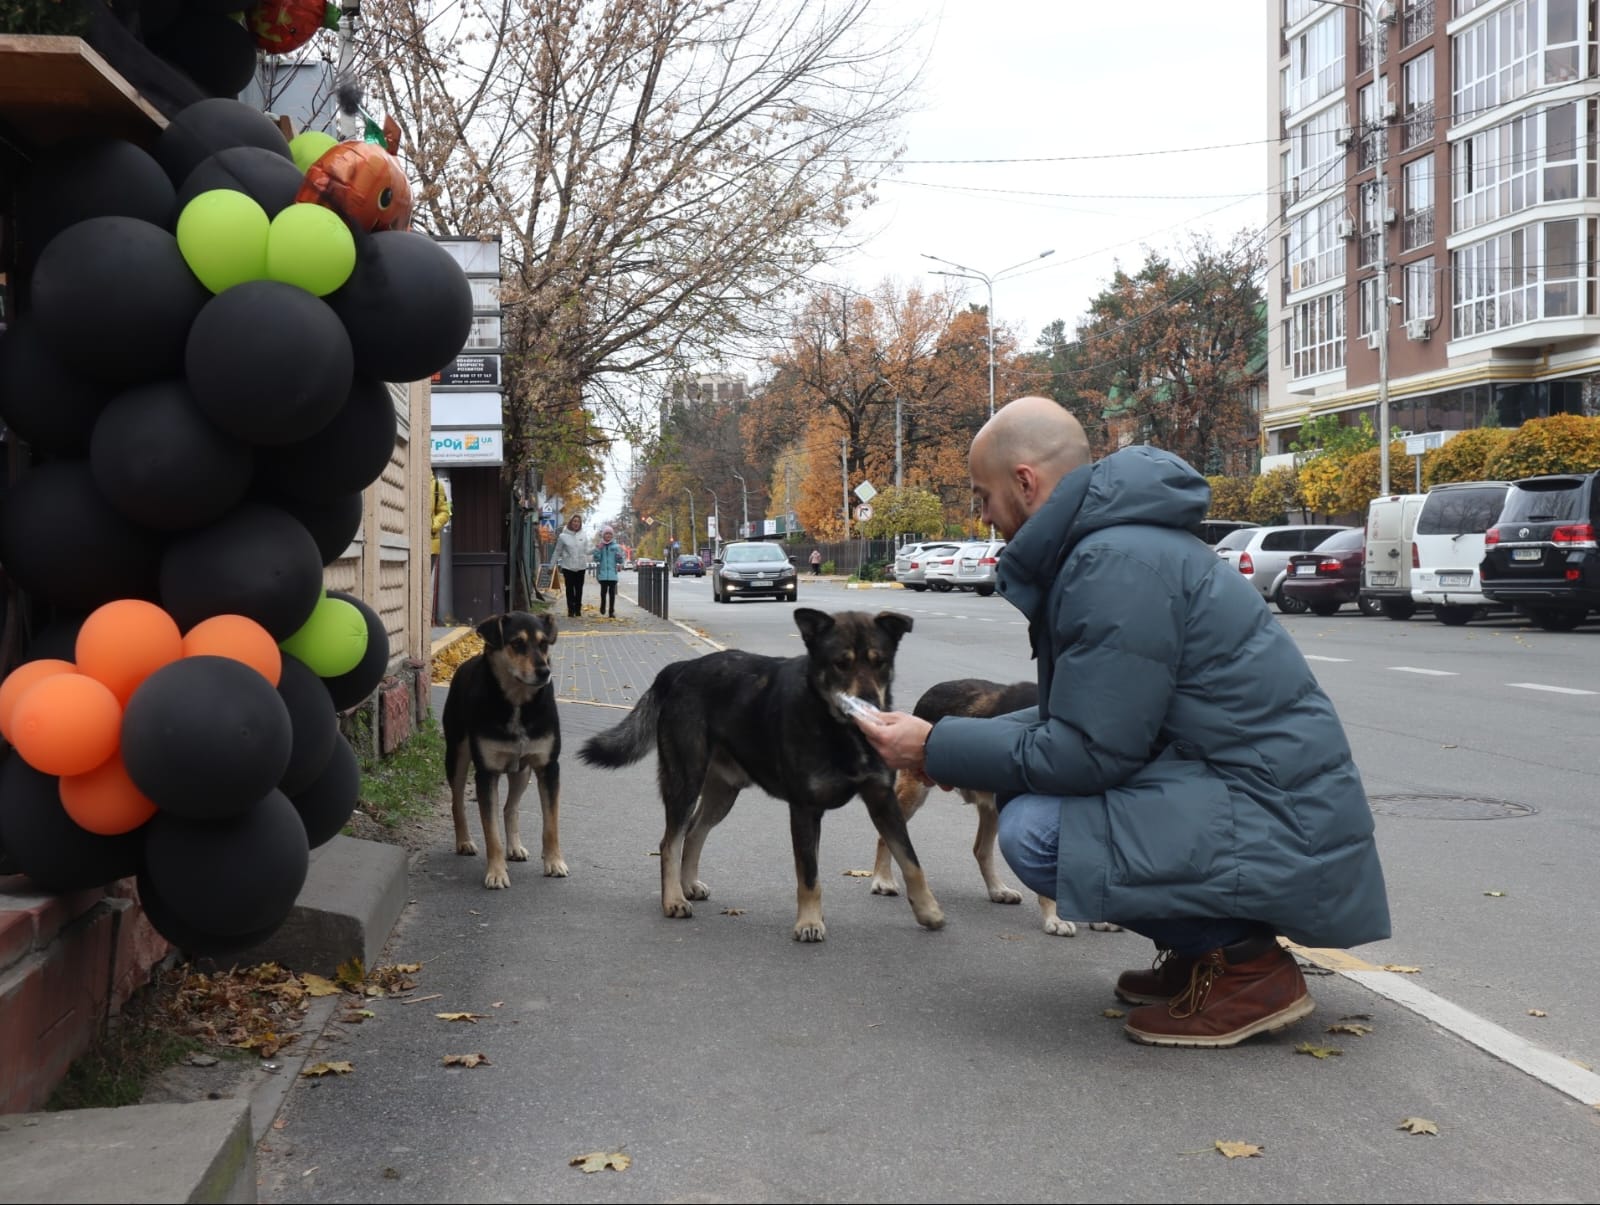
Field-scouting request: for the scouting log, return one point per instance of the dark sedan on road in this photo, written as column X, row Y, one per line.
column 687, row 566
column 1328, row 576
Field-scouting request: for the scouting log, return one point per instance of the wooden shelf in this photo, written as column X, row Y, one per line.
column 53, row 89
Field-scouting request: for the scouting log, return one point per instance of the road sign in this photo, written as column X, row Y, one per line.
column 866, row 491
column 863, row 512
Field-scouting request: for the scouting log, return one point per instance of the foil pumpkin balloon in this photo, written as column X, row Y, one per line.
column 363, row 184
column 280, row 26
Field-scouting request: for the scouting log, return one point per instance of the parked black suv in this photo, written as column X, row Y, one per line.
column 1540, row 556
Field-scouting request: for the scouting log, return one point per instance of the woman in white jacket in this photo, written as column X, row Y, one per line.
column 572, row 558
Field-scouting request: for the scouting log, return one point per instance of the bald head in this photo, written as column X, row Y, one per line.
column 1020, row 456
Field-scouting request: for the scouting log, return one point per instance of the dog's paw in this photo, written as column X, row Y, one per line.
column 555, row 867
column 931, row 916
column 1104, row 926
column 1001, row 894
column 885, row 887
column 810, row 930
column 466, row 849
column 518, row 852
column 677, row 909
column 696, row 890
column 1057, row 927
column 497, row 879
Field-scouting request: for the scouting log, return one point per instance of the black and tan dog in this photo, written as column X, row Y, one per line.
column 731, row 719
column 983, row 700
column 500, row 718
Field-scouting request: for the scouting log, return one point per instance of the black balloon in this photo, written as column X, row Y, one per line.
column 41, row 399
column 44, row 843
column 257, row 561
column 268, row 178
column 268, row 362
column 205, row 737
column 333, row 525
column 163, row 463
column 212, row 49
column 345, row 457
column 231, row 877
column 313, row 721
column 156, row 15
column 109, row 177
column 194, row 942
column 115, row 299
column 328, row 803
column 351, row 688
column 208, row 126
column 407, row 307
column 63, row 543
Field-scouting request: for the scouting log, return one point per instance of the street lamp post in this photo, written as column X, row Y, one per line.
column 745, row 491
column 716, row 512
column 988, row 280
column 694, row 532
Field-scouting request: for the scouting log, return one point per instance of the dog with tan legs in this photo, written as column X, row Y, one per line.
column 734, row 719
column 500, row 719
column 982, row 699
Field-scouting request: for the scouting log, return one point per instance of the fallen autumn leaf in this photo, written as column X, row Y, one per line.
column 858, row 874
column 466, row 1060
column 596, row 1161
column 1360, row 1031
column 1418, row 1125
column 472, row 1017
column 316, row 985
column 1496, row 894
column 1401, row 970
column 733, row 912
column 1113, row 1013
column 1239, row 1150
column 1318, row 1052
column 321, row 1069
column 1537, row 1012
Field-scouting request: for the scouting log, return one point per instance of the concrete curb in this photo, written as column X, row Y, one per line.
column 874, row 586
column 449, row 638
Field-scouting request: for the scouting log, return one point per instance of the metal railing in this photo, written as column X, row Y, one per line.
column 653, row 589
column 1417, row 229
column 1416, row 23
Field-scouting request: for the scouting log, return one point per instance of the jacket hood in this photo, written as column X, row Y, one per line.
column 1141, row 485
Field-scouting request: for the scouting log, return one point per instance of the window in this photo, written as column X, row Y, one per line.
column 485, row 293
column 1367, row 115
column 1316, row 63
column 485, row 333
column 1416, row 81
column 1450, row 512
column 1562, row 49
column 1522, row 275
column 1417, row 22
column 474, row 256
column 1367, row 296
column 1295, row 11
column 1374, row 215
column 1504, row 169
column 1316, row 253
column 1419, row 289
column 1315, row 160
column 1496, row 60
column 1417, row 188
column 1317, row 337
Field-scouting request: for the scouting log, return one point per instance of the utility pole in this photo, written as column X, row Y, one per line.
column 694, row 532
column 1380, row 90
column 744, row 490
column 844, row 476
column 898, row 459
column 788, row 500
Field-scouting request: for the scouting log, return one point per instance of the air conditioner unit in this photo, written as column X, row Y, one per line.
column 1345, row 228
column 1374, row 338
column 1346, row 135
column 1388, row 111
column 1390, row 217
column 1417, row 329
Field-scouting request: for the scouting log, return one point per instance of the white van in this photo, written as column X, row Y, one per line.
column 1449, row 546
column 1386, row 571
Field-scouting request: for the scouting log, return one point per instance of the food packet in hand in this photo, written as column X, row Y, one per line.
column 857, row 708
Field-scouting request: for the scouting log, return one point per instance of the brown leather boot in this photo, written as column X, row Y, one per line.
column 1233, row 993
column 1168, row 975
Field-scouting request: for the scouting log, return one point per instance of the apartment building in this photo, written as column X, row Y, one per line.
column 1435, row 158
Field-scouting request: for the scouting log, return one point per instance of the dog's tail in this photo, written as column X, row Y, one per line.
column 628, row 741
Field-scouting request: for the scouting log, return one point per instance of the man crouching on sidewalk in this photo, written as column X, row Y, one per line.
column 1183, row 775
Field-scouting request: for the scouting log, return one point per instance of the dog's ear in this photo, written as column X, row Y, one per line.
column 493, row 631
column 812, row 623
column 548, row 622
column 894, row 623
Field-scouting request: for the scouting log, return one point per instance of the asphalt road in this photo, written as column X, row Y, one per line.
column 975, row 1063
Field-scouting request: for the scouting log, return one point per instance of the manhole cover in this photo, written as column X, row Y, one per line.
column 1447, row 807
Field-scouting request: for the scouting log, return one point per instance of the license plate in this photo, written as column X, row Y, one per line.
column 762, row 578
column 1455, row 579
column 1382, row 579
column 1305, row 571
column 1526, row 554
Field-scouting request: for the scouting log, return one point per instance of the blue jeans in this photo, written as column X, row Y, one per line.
column 1030, row 839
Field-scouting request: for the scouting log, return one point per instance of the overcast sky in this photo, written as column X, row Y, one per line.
column 1064, row 80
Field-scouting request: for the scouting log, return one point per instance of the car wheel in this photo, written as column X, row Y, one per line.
column 942, row 587
column 1397, row 608
column 1555, row 619
column 1452, row 617
column 919, row 587
column 1369, row 606
column 1288, row 605
column 984, row 591
column 1324, row 609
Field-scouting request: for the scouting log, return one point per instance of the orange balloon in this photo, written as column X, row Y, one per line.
column 124, row 642
column 239, row 638
column 104, row 800
column 18, row 682
column 67, row 724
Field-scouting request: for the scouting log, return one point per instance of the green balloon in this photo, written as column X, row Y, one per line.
column 223, row 237
column 310, row 246
column 332, row 641
column 308, row 146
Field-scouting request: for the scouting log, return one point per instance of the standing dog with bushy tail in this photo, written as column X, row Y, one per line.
column 733, row 719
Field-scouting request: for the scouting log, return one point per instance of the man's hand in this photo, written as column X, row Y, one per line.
column 899, row 738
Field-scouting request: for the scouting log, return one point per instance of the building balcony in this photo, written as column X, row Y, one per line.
column 1416, row 229
column 1418, row 126
column 1417, row 22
